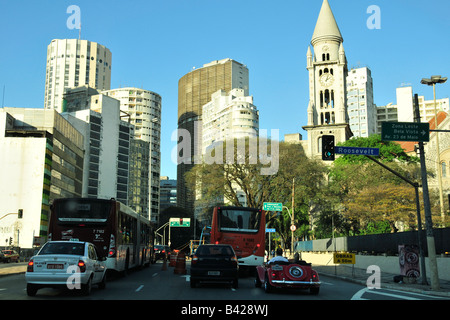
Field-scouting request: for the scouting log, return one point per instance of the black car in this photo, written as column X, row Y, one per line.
column 162, row 251
column 214, row 263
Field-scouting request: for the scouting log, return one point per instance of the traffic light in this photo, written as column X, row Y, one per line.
column 181, row 221
column 327, row 148
column 10, row 241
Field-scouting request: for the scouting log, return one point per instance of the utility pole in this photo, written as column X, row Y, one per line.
column 427, row 208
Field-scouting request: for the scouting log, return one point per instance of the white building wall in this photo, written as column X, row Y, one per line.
column 21, row 188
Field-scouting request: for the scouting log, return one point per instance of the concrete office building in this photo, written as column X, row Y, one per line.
column 403, row 110
column 72, row 63
column 107, row 142
column 360, row 106
column 194, row 91
column 168, row 192
column 142, row 108
column 42, row 156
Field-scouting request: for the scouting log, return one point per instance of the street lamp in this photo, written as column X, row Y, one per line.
column 428, row 220
column 432, row 82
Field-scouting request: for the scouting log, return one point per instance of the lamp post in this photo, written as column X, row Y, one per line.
column 432, row 82
column 428, row 221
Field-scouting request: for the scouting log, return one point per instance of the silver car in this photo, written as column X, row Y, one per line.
column 70, row 264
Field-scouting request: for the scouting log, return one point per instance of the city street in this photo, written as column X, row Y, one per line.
column 154, row 283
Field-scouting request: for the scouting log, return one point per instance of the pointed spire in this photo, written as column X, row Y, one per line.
column 326, row 26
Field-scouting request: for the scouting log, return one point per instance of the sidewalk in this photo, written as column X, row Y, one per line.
column 361, row 276
column 12, row 268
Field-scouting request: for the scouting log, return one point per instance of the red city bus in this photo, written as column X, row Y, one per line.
column 119, row 233
column 244, row 229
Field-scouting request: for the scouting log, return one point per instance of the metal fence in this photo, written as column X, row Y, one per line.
column 377, row 243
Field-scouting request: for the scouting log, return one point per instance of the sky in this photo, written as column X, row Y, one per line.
column 156, row 42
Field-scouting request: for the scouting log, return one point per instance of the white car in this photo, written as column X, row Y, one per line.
column 73, row 264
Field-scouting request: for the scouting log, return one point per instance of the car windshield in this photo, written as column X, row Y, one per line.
column 214, row 250
column 7, row 252
column 63, row 248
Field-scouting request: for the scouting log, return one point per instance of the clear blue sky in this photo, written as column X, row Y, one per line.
column 155, row 42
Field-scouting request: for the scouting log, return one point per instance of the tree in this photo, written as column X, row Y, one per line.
column 382, row 203
column 216, row 183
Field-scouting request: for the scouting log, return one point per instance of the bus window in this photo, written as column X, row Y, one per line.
column 239, row 220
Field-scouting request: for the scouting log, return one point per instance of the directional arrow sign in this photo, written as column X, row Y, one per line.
column 357, row 151
column 405, row 131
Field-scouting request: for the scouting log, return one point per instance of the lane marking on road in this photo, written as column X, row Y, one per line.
column 140, row 288
column 403, row 295
column 155, row 274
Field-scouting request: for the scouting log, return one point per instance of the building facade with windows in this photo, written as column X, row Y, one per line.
column 72, row 63
column 194, row 91
column 107, row 144
column 142, row 108
column 360, row 104
column 43, row 154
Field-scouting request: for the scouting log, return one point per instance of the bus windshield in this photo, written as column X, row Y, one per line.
column 235, row 220
column 76, row 211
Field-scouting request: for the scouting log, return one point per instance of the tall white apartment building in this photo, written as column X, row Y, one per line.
column 228, row 116
column 403, row 111
column 360, row 106
column 107, row 142
column 72, row 63
column 142, row 108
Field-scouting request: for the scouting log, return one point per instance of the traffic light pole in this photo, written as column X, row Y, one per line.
column 419, row 220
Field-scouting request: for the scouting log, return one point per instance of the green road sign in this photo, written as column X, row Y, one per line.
column 405, row 131
column 273, row 206
column 180, row 222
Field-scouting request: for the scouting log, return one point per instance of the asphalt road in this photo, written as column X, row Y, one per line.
column 159, row 287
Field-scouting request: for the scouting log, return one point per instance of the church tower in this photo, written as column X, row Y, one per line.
column 327, row 67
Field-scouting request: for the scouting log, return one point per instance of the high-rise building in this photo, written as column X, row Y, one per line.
column 142, row 108
column 107, row 138
column 42, row 160
column 229, row 116
column 327, row 67
column 194, row 91
column 360, row 106
column 72, row 63
column 168, row 191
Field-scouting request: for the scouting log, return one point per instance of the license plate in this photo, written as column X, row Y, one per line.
column 213, row 273
column 55, row 266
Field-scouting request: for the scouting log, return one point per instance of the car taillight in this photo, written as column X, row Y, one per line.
column 194, row 260
column 82, row 266
column 30, row 266
column 234, row 260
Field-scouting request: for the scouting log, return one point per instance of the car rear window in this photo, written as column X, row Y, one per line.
column 63, row 248
column 214, row 250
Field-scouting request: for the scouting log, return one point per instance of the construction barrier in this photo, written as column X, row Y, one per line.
column 173, row 259
column 180, row 267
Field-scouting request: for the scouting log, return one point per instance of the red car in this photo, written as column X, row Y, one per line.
column 297, row 275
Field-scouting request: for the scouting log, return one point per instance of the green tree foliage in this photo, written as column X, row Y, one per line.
column 216, row 183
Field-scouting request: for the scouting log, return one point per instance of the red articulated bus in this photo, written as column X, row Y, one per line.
column 120, row 234
column 244, row 229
